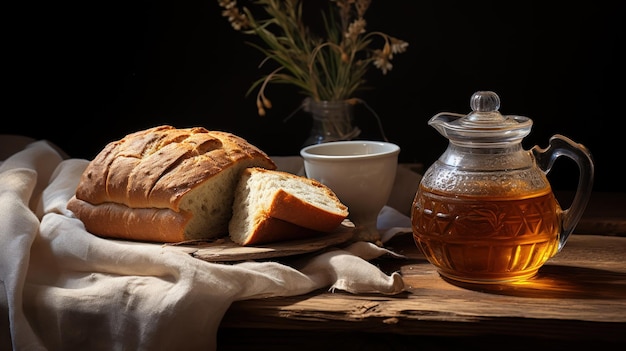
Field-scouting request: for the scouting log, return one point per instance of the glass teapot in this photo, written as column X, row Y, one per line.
column 485, row 212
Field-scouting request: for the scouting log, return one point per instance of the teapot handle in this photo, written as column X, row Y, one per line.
column 562, row 146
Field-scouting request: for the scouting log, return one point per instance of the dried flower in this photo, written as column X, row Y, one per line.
column 325, row 69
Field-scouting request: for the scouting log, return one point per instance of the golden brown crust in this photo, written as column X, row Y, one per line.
column 157, row 166
column 273, row 230
column 142, row 224
column 292, row 209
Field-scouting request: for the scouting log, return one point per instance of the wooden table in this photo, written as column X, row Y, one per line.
column 578, row 299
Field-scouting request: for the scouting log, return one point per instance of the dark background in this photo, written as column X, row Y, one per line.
column 82, row 74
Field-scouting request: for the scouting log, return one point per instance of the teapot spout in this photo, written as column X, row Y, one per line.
column 442, row 120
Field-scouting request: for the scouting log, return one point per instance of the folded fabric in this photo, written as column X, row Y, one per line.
column 64, row 288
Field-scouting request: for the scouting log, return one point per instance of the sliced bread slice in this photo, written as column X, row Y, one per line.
column 272, row 205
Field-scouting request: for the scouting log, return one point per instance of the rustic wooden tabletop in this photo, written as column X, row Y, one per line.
column 578, row 298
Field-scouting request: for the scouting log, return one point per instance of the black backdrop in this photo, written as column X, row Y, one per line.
column 82, row 74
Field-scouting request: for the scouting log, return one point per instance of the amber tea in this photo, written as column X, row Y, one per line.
column 487, row 239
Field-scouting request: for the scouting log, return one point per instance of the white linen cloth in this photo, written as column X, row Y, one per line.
column 63, row 288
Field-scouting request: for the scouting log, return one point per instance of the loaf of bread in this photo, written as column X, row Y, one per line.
column 164, row 184
column 272, row 205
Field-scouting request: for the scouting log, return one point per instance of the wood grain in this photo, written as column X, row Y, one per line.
column 579, row 294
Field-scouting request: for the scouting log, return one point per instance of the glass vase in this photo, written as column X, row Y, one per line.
column 332, row 121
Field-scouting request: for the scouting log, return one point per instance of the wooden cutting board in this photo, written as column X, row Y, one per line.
column 225, row 250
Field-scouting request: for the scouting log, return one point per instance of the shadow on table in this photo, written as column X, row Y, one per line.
column 556, row 281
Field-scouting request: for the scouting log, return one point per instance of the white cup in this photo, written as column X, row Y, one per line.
column 361, row 173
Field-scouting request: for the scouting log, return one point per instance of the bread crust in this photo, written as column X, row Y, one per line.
column 272, row 230
column 142, row 224
column 292, row 209
column 158, row 166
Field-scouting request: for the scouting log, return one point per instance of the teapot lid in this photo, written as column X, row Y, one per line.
column 484, row 124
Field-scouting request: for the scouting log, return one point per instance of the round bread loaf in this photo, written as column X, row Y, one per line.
column 164, row 184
